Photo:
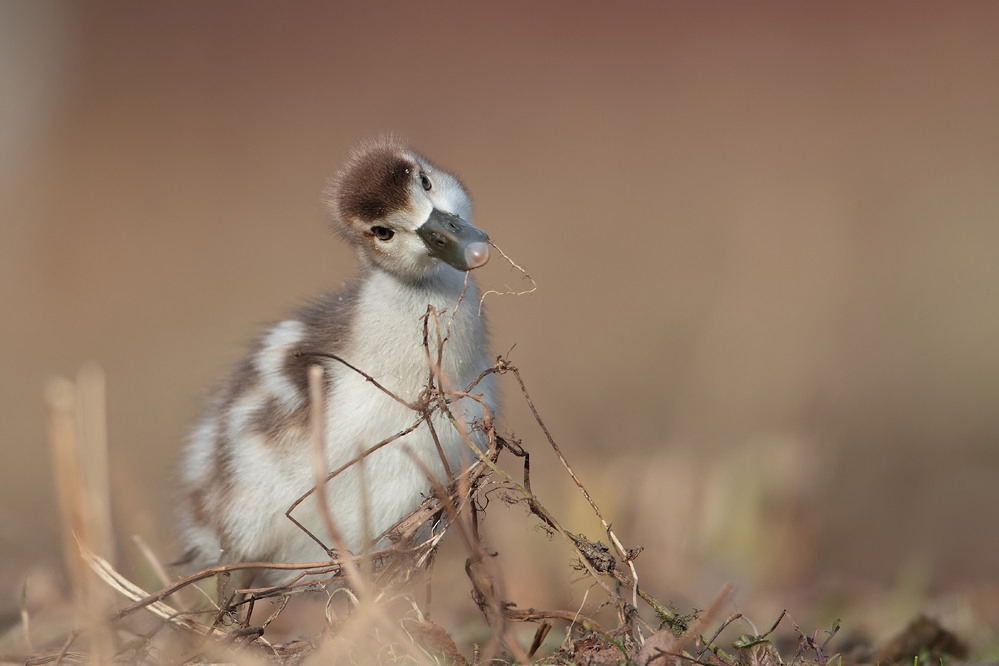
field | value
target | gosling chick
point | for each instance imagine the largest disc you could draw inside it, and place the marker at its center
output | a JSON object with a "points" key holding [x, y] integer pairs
{"points": [[251, 455]]}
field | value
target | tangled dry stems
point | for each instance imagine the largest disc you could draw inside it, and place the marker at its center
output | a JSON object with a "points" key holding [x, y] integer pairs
{"points": [[224, 629]]}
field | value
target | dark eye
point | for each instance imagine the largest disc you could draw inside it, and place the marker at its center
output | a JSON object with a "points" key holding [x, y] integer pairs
{"points": [[425, 182], [382, 233]]}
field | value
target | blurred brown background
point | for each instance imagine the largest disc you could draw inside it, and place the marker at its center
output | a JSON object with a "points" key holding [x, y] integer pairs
{"points": [[765, 241]]}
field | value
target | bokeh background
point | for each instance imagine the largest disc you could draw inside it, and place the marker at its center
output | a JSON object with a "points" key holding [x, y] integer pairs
{"points": [[766, 329]]}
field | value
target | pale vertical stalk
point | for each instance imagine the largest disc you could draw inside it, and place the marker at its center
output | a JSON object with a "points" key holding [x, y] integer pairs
{"points": [[317, 427], [92, 424], [317, 423], [60, 394], [78, 435], [364, 562]]}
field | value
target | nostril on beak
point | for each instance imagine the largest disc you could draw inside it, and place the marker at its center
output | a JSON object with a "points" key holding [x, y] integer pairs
{"points": [[476, 254]]}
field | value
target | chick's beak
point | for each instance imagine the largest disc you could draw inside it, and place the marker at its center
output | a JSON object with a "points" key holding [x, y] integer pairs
{"points": [[454, 240]]}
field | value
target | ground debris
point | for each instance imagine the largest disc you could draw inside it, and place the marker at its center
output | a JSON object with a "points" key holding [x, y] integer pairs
{"points": [[594, 650], [436, 641], [596, 553], [762, 653], [923, 637]]}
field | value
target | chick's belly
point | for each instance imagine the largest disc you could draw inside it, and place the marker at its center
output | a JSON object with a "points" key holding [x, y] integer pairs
{"points": [[393, 482]]}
